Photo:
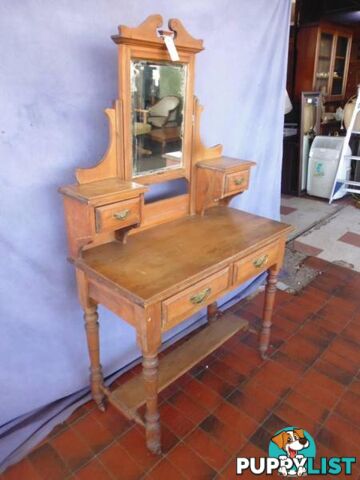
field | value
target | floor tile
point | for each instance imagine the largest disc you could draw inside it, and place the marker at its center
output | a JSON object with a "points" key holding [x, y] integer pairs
{"points": [[48, 463], [352, 333], [175, 420], [93, 471], [203, 395], [72, 449], [284, 210], [261, 439], [339, 445], [349, 407], [93, 433], [296, 418], [315, 411], [207, 448], [216, 383], [290, 363], [317, 394], [334, 372], [119, 463], [236, 419], [306, 249], [113, 421], [300, 349], [133, 442], [253, 408], [230, 438], [317, 378], [23, 470], [227, 373], [190, 464], [351, 238], [165, 471], [346, 349], [188, 407]]}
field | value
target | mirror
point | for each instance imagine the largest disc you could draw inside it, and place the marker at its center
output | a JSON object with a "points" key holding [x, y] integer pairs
{"points": [[158, 102]]}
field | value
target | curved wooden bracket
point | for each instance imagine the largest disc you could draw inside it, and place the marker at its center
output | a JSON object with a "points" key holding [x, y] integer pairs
{"points": [[200, 152], [109, 165]]}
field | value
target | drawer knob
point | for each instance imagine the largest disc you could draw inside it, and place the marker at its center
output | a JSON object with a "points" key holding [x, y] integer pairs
{"points": [[122, 215], [239, 181], [201, 296], [259, 262]]}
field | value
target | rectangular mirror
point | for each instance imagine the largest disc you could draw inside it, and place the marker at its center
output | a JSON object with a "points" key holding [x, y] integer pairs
{"points": [[158, 102]]}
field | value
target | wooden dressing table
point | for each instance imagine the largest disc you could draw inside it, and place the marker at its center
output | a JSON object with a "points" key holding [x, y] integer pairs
{"points": [[156, 263]]}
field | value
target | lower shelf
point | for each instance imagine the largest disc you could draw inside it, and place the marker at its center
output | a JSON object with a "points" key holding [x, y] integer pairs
{"points": [[131, 395]]}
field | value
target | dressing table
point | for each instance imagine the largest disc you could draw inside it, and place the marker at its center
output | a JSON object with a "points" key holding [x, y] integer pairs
{"points": [[155, 262]]}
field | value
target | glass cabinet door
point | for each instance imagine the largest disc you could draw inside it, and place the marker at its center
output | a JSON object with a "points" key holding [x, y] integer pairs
{"points": [[324, 62], [338, 74]]}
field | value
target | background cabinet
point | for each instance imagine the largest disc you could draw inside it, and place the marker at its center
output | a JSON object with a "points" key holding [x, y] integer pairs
{"points": [[323, 53]]}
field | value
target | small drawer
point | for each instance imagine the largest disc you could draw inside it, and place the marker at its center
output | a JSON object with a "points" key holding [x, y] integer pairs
{"points": [[117, 215], [178, 307], [256, 263], [236, 182]]}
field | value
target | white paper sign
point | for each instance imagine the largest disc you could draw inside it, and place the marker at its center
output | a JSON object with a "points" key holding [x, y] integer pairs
{"points": [[170, 45]]}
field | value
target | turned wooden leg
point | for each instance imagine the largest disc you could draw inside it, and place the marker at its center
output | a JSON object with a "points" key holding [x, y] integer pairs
{"points": [[152, 416], [92, 334], [270, 291], [212, 312]]}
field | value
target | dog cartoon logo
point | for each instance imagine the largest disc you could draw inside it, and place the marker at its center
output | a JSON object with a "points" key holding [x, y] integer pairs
{"points": [[292, 446]]}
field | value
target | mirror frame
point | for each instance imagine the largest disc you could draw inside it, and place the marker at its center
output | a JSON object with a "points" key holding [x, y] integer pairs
{"points": [[144, 43]]}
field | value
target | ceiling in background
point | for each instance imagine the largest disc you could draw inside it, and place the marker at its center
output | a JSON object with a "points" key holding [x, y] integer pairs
{"points": [[339, 11]]}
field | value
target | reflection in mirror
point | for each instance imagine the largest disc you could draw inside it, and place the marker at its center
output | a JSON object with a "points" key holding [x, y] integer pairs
{"points": [[157, 98]]}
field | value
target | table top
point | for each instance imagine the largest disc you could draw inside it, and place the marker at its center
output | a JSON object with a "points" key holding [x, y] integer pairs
{"points": [[156, 263]]}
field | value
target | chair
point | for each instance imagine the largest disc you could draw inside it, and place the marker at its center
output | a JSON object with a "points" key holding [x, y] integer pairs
{"points": [[164, 113]]}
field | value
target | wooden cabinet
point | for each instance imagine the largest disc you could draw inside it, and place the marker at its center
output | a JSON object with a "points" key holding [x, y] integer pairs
{"points": [[323, 53], [155, 263]]}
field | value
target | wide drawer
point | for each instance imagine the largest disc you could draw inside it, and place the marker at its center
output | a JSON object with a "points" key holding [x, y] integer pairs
{"points": [[256, 263], [117, 215], [236, 182], [182, 305]]}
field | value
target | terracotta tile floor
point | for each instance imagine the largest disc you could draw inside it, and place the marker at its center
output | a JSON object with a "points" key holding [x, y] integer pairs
{"points": [[232, 403]]}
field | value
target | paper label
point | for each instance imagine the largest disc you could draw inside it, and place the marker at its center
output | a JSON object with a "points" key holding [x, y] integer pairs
{"points": [[170, 45]]}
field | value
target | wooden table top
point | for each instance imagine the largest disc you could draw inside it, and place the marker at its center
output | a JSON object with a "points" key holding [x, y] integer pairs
{"points": [[156, 263]]}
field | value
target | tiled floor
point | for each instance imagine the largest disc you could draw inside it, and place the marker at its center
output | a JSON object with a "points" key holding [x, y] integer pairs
{"points": [[232, 403], [336, 235], [305, 212], [338, 240]]}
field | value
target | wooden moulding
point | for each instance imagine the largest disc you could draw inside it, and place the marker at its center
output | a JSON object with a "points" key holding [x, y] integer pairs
{"points": [[146, 34], [131, 395]]}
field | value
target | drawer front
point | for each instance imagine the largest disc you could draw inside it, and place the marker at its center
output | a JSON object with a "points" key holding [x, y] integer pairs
{"points": [[237, 182], [179, 307], [256, 263], [117, 215]]}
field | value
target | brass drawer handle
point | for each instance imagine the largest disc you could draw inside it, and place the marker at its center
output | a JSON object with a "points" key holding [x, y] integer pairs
{"points": [[201, 296], [239, 181], [259, 262], [121, 215]]}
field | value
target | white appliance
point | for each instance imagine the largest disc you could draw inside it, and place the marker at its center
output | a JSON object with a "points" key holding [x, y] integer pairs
{"points": [[324, 160]]}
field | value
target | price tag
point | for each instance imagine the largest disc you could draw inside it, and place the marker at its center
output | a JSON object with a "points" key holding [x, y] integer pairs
{"points": [[170, 45]]}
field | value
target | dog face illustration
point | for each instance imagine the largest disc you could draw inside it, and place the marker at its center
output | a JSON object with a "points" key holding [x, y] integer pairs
{"points": [[291, 441]]}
